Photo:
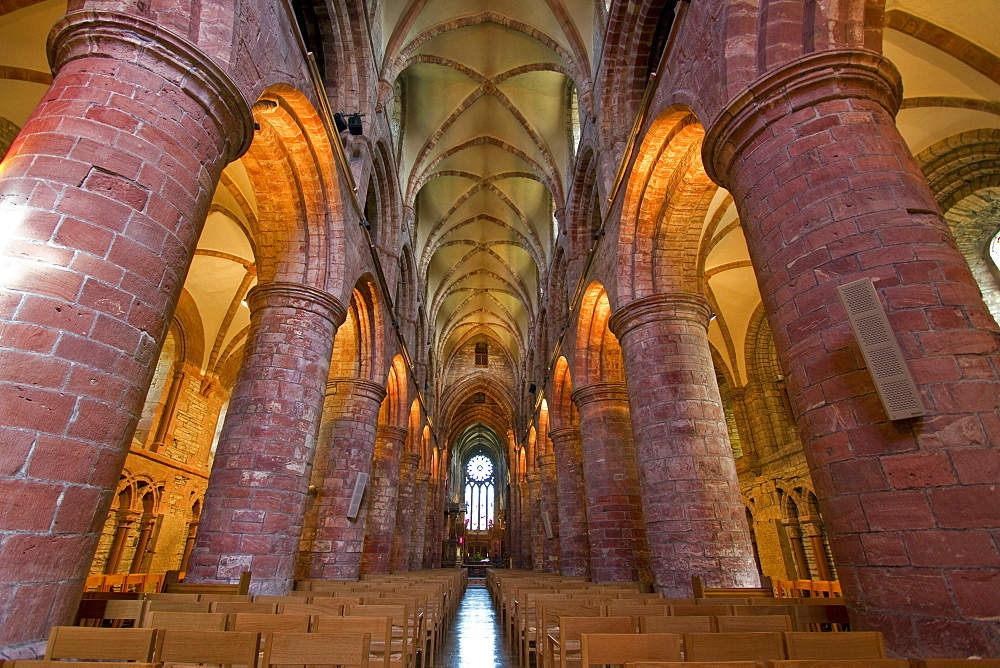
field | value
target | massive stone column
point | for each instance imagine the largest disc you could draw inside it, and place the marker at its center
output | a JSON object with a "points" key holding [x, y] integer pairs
{"points": [[256, 498], [346, 446], [536, 536], [405, 512], [421, 524], [526, 541], [618, 548], [102, 199], [549, 508], [695, 517], [382, 508], [828, 193], [573, 543]]}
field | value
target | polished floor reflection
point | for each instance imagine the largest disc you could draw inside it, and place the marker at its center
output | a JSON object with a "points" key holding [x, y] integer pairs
{"points": [[476, 640]]}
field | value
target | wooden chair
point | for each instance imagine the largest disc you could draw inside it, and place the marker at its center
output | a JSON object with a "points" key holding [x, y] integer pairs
{"points": [[225, 598], [310, 609], [256, 622], [98, 644], [549, 614], [571, 629], [295, 649], [854, 645], [677, 624], [157, 605], [232, 607], [696, 664], [44, 663], [701, 610], [726, 600], [164, 596], [636, 610], [744, 624], [844, 663], [214, 647], [733, 646], [956, 663], [379, 630], [172, 584], [617, 648], [401, 632], [280, 600], [187, 621]]}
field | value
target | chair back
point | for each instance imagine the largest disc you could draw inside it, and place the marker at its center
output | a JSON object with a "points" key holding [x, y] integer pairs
{"points": [[100, 644], [340, 649], [701, 610], [256, 622], [853, 645], [379, 630], [733, 646], [696, 664], [216, 647], [157, 605], [850, 663], [617, 648], [636, 610], [677, 624], [187, 621], [244, 606], [744, 624], [310, 609]]}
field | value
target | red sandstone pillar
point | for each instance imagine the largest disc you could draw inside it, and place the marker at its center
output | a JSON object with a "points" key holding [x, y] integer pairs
{"points": [[252, 517], [537, 536], [828, 193], [525, 541], [574, 547], [346, 447], [405, 512], [102, 200], [549, 508], [421, 521], [695, 517], [618, 551], [384, 486]]}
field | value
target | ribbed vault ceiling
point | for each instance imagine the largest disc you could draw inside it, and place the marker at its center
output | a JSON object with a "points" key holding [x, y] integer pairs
{"points": [[483, 95]]}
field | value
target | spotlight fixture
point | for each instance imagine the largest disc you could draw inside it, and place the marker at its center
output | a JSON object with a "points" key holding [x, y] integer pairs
{"points": [[350, 122]]}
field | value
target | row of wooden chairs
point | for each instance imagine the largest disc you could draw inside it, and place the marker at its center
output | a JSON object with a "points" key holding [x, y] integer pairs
{"points": [[68, 645], [807, 588], [124, 582], [828, 663], [618, 648]]}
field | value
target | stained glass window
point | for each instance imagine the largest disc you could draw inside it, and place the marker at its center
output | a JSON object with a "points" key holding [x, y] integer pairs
{"points": [[995, 250], [479, 492]]}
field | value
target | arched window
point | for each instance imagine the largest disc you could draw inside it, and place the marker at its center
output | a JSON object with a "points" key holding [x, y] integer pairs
{"points": [[480, 492], [482, 354], [995, 249]]}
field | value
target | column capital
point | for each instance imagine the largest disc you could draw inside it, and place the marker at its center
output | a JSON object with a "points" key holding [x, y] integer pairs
{"points": [[674, 306], [533, 477], [409, 460], [423, 476], [600, 392], [300, 297], [126, 37], [546, 460], [565, 434], [390, 433], [804, 82], [356, 387]]}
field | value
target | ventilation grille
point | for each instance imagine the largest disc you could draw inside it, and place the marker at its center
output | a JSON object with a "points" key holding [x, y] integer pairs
{"points": [[885, 361], [359, 491]]}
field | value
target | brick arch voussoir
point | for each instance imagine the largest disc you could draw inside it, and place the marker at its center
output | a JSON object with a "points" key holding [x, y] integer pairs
{"points": [[301, 211], [959, 165], [665, 150]]}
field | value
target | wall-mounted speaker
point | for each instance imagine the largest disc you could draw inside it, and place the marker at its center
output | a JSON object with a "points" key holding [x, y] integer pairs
{"points": [[359, 491], [547, 523], [880, 349]]}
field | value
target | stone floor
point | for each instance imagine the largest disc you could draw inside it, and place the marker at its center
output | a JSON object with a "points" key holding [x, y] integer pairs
{"points": [[475, 639]]}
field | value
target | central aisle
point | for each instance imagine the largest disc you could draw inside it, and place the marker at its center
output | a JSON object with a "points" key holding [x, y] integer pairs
{"points": [[476, 640]]}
